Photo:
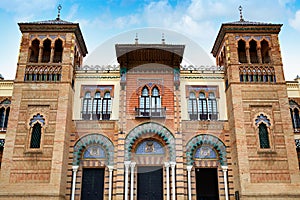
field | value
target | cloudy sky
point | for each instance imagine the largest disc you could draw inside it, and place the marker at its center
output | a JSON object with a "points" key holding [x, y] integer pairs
{"points": [[198, 20]]}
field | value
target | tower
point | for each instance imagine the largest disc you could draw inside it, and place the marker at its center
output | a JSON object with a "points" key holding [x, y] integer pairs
{"points": [[261, 135], [37, 141]]}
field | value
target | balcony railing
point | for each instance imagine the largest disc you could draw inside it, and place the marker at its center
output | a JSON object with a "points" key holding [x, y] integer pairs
{"points": [[150, 112], [95, 115], [203, 116]]}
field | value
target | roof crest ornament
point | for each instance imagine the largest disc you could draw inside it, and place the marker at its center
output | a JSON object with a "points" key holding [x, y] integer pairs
{"points": [[241, 14], [136, 38], [59, 7], [163, 41]]}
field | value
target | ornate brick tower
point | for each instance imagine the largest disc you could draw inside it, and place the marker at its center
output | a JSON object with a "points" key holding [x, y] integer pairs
{"points": [[263, 151], [37, 142]]}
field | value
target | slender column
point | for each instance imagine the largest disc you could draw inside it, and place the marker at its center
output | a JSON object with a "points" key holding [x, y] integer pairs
{"points": [[173, 164], [132, 165], [259, 55], [167, 166], [248, 55], [225, 168], [127, 164], [189, 168], [75, 168], [110, 168], [40, 54], [52, 54]]}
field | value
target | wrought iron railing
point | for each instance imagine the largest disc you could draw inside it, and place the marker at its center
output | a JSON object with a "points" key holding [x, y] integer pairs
{"points": [[150, 112], [95, 115], [204, 116]]}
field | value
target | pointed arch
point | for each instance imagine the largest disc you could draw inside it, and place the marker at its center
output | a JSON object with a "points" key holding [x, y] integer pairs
{"points": [[46, 51], [211, 140], [242, 51], [58, 51], [91, 139], [35, 49], [150, 127]]}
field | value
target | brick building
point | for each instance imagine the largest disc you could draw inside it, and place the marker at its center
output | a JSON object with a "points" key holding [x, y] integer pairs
{"points": [[149, 128]]}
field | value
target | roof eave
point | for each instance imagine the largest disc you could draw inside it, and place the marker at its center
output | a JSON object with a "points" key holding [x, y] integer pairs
{"points": [[276, 29]]}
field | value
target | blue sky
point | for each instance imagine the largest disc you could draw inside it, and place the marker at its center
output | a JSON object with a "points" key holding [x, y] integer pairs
{"points": [[198, 20]]}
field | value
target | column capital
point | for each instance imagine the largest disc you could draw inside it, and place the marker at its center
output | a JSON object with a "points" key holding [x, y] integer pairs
{"points": [[75, 168], [167, 164], [132, 164], [110, 168], [127, 164], [189, 168], [224, 168], [173, 164]]}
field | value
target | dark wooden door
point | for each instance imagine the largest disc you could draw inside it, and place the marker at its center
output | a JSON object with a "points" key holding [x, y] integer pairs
{"points": [[207, 184], [150, 183], [92, 184]]}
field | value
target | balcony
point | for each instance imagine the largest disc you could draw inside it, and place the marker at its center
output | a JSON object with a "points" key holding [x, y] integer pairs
{"points": [[95, 116], [203, 116], [150, 112]]}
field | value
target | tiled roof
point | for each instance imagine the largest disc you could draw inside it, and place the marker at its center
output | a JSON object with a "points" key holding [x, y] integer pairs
{"points": [[243, 22], [54, 21]]}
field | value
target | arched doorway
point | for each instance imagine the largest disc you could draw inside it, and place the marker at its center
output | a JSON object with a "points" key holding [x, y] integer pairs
{"points": [[150, 151], [93, 156], [206, 165]]}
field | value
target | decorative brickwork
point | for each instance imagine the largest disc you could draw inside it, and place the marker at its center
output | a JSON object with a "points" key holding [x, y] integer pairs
{"points": [[92, 139]]}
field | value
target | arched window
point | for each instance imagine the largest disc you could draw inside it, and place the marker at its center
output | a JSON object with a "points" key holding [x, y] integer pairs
{"points": [[144, 102], [97, 106], [202, 106], [212, 106], [263, 136], [296, 118], [155, 102], [253, 51], [265, 51], [36, 134], [294, 110], [106, 108], [192, 106], [36, 124], [262, 122], [46, 51], [242, 51], [87, 106], [2, 117], [58, 50], [6, 117], [35, 49]]}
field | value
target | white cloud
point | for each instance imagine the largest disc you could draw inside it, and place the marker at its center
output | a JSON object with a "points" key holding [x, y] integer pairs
{"points": [[24, 7], [72, 12], [295, 22]]}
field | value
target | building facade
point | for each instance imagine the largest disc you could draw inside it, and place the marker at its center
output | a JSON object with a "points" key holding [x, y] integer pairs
{"points": [[150, 128]]}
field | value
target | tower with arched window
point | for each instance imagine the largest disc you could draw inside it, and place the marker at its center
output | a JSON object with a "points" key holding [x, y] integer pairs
{"points": [[256, 94], [38, 133]]}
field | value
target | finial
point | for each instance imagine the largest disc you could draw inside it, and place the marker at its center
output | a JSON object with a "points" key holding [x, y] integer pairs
{"points": [[163, 38], [241, 13], [59, 7], [136, 39]]}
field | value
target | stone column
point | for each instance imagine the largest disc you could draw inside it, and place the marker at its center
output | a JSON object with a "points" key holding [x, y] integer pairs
{"points": [[75, 168], [189, 168], [52, 54], [127, 164], [40, 54], [132, 165], [248, 55], [259, 55], [225, 168], [167, 166], [173, 164], [110, 168]]}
